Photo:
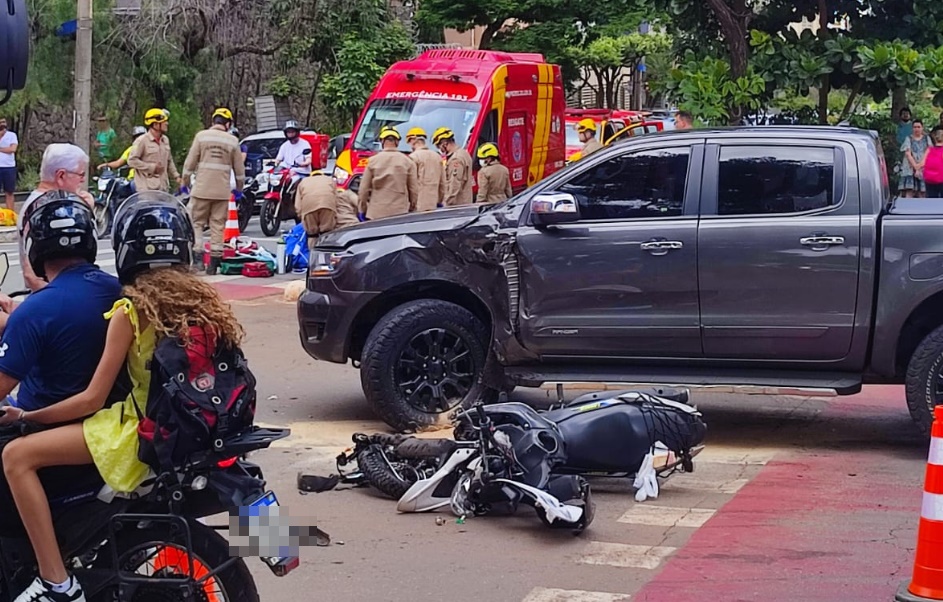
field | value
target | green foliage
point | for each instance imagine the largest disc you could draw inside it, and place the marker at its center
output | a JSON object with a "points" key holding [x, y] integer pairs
{"points": [[707, 89], [282, 86], [360, 65], [185, 121]]}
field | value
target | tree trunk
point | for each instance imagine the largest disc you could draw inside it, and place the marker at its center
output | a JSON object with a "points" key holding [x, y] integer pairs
{"points": [[487, 36], [734, 19], [852, 96], [898, 102]]}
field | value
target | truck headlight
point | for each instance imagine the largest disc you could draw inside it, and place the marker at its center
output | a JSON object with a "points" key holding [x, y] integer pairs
{"points": [[326, 263], [340, 176]]}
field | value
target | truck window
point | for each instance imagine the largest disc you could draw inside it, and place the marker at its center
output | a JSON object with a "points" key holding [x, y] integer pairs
{"points": [[787, 179], [635, 185]]}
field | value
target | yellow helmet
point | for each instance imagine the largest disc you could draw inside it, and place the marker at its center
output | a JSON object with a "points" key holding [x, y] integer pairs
{"points": [[224, 113], [441, 134], [487, 150], [586, 124], [389, 132], [155, 116], [416, 133]]}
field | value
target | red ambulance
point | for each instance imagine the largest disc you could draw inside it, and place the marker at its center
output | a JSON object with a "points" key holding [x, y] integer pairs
{"points": [[514, 100]]}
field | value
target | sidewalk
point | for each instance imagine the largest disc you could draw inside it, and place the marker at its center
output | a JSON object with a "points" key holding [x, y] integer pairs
{"points": [[240, 288], [833, 520]]}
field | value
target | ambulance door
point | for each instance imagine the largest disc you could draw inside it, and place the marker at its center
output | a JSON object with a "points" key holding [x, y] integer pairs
{"points": [[515, 148]]}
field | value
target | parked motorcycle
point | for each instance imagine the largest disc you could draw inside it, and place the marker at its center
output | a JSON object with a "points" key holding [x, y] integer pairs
{"points": [[253, 191], [509, 453], [279, 203], [113, 188]]}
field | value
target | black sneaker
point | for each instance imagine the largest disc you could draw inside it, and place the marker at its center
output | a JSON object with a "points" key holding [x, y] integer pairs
{"points": [[41, 591]]}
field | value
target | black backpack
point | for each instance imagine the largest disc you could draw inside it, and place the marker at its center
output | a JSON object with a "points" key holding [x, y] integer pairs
{"points": [[200, 395]]}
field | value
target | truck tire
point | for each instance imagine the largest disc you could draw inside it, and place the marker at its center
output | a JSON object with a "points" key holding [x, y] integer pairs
{"points": [[924, 382], [421, 361]]}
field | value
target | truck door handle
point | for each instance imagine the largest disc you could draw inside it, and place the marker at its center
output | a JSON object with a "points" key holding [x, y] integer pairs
{"points": [[822, 241], [662, 246]]}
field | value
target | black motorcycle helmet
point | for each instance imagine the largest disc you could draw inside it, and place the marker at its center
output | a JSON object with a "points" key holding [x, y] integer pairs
{"points": [[58, 225], [152, 230]]}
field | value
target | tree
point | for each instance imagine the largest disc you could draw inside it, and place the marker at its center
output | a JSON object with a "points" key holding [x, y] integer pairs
{"points": [[360, 65], [610, 58]]}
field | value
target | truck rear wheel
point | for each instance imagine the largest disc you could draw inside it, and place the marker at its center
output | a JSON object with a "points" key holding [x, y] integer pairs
{"points": [[925, 380], [421, 361]]}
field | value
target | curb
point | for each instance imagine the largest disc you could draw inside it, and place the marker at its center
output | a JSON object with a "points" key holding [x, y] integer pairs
{"points": [[8, 234]]}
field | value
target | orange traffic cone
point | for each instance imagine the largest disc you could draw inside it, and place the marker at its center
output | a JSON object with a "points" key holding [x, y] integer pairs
{"points": [[927, 583], [231, 230]]}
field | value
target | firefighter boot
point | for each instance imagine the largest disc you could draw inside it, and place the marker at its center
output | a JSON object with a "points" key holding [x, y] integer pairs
{"points": [[213, 266]]}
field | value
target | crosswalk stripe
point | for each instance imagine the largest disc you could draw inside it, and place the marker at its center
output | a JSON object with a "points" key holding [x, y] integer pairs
{"points": [[546, 594], [666, 516], [626, 556]]}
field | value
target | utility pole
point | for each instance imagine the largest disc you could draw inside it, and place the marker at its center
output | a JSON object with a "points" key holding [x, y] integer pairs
{"points": [[83, 74]]}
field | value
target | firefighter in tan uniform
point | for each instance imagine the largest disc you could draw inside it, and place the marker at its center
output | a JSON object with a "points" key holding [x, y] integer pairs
{"points": [[214, 156], [586, 129], [316, 203], [150, 156], [347, 208], [431, 172], [390, 184], [494, 179], [458, 169]]}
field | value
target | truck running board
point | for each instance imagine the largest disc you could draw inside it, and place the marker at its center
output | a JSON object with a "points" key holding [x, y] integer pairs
{"points": [[840, 382]]}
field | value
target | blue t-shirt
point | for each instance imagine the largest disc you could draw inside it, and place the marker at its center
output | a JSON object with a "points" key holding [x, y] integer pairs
{"points": [[54, 340]]}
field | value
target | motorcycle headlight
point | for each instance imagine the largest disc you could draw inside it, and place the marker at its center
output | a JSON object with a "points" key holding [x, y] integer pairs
{"points": [[274, 179], [102, 185], [340, 176], [326, 263]]}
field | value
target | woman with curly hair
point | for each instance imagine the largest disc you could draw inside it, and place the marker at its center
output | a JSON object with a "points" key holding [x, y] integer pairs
{"points": [[152, 240]]}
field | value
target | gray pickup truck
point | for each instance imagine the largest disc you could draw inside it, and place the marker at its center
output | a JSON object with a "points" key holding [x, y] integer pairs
{"points": [[756, 256]]}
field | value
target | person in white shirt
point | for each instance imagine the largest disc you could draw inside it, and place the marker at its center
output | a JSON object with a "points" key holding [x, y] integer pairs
{"points": [[292, 152], [8, 144], [64, 167]]}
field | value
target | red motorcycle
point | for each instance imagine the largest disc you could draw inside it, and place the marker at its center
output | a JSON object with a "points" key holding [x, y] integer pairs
{"points": [[279, 201]]}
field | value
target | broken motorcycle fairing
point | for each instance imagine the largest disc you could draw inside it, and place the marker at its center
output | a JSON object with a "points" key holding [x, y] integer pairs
{"points": [[504, 449]]}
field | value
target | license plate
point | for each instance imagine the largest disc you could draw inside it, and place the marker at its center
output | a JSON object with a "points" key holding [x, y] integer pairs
{"points": [[266, 501]]}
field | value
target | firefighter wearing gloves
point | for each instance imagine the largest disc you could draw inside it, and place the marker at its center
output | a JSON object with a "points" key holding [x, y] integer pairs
{"points": [[458, 169], [390, 184], [213, 157], [586, 129], [316, 203], [494, 179], [430, 170]]}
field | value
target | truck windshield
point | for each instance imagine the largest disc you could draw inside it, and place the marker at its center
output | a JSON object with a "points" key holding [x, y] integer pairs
{"points": [[405, 114]]}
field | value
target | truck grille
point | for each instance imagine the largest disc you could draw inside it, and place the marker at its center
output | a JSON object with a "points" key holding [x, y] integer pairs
{"points": [[512, 273]]}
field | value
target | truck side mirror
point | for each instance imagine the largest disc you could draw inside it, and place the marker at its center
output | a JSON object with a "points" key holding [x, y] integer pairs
{"points": [[552, 208]]}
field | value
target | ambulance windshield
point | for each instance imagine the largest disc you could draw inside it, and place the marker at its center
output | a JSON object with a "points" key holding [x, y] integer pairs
{"points": [[405, 114]]}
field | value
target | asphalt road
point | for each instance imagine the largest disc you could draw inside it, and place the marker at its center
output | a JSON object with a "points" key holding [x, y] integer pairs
{"points": [[826, 490]]}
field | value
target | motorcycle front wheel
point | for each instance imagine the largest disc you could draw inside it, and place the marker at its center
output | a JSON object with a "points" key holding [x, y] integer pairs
{"points": [[102, 220], [269, 219], [245, 211], [145, 554]]}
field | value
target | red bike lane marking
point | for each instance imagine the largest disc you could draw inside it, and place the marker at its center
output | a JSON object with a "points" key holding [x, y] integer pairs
{"points": [[834, 521]]}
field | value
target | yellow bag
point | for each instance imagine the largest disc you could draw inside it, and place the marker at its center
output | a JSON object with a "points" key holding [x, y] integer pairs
{"points": [[7, 217]]}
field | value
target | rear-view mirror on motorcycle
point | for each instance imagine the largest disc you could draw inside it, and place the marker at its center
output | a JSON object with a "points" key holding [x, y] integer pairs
{"points": [[14, 47], [4, 267]]}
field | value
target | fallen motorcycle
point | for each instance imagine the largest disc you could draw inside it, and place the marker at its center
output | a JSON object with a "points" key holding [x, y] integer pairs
{"points": [[509, 453]]}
